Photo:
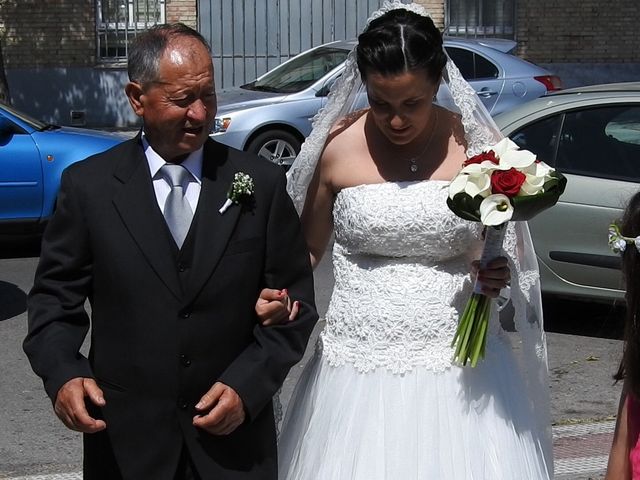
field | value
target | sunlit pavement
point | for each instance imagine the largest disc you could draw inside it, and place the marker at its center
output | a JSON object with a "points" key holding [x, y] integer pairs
{"points": [[580, 453]]}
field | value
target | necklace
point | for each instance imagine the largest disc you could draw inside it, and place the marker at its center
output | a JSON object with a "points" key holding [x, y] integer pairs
{"points": [[413, 161]]}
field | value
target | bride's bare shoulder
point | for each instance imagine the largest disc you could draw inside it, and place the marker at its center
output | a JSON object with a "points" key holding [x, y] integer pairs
{"points": [[347, 132]]}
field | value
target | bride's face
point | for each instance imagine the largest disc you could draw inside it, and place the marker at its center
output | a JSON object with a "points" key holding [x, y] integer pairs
{"points": [[401, 105]]}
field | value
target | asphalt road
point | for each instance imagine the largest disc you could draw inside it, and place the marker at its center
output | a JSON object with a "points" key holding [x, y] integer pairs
{"points": [[583, 344]]}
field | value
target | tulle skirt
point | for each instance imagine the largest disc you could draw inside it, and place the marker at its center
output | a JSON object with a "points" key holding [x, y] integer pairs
{"points": [[459, 424]]}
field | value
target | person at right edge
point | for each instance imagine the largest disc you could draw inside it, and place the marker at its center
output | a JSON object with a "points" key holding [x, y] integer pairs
{"points": [[624, 458]]}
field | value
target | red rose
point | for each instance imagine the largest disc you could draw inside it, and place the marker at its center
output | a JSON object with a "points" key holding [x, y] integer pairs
{"points": [[507, 182], [489, 156]]}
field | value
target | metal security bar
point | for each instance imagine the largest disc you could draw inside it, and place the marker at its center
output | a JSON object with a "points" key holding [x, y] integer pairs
{"points": [[120, 20], [249, 37], [480, 18]]}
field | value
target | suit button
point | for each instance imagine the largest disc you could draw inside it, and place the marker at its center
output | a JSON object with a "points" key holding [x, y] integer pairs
{"points": [[185, 314], [182, 267], [185, 360]]}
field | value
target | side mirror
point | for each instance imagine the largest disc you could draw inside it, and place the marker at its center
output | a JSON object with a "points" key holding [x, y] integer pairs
{"points": [[7, 129], [326, 88]]}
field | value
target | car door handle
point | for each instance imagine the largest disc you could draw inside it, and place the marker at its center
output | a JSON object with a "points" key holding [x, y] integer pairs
{"points": [[486, 93], [602, 261]]}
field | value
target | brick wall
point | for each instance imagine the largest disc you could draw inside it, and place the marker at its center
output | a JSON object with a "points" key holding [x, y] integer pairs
{"points": [[184, 11], [61, 33], [36, 33], [435, 9], [578, 31]]}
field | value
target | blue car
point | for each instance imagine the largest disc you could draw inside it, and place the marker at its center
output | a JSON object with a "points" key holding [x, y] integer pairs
{"points": [[271, 116], [32, 157]]}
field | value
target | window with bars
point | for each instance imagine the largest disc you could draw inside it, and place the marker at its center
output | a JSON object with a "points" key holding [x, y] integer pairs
{"points": [[480, 18], [120, 20]]}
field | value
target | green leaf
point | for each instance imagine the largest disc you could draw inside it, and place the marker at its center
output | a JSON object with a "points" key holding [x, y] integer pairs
{"points": [[527, 207], [465, 206]]}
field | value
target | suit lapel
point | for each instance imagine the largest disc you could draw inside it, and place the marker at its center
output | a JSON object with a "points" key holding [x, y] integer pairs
{"points": [[212, 230], [136, 203]]}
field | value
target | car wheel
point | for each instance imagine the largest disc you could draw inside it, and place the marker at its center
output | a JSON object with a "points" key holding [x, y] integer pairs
{"points": [[277, 146]]}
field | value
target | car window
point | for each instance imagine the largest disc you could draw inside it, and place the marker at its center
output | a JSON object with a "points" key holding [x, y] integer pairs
{"points": [[463, 60], [471, 65], [484, 68], [540, 138], [602, 142], [301, 72]]}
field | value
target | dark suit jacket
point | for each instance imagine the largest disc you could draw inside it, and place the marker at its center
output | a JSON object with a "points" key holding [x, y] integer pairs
{"points": [[167, 324]]}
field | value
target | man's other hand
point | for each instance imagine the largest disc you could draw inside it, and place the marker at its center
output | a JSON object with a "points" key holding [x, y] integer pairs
{"points": [[221, 410], [70, 405]]}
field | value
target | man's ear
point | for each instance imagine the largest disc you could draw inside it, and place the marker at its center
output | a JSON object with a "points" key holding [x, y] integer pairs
{"points": [[134, 94]]}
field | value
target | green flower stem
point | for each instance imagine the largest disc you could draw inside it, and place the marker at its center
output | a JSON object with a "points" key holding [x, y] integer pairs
{"points": [[461, 338], [470, 339]]}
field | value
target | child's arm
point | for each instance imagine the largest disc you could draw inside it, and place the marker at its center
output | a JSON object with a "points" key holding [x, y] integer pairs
{"points": [[619, 467]]}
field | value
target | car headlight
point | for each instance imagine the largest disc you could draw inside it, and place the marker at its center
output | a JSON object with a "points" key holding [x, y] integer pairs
{"points": [[221, 124]]}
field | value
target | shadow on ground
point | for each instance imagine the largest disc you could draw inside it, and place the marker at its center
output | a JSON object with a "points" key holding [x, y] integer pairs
{"points": [[19, 246], [589, 319], [13, 301]]}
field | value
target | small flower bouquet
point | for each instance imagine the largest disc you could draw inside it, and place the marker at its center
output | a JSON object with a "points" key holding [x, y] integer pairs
{"points": [[500, 184], [240, 189]]}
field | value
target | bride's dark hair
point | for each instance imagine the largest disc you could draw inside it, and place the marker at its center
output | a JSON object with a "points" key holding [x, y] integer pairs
{"points": [[400, 41], [630, 365]]}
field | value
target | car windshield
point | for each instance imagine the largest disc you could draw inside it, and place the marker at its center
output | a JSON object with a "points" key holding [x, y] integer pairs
{"points": [[36, 124], [301, 72]]}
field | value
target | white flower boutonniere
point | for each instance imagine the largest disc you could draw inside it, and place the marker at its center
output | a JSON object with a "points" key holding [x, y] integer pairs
{"points": [[241, 188]]}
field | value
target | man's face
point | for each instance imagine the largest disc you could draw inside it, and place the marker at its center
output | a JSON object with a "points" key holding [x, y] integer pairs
{"points": [[179, 108]]}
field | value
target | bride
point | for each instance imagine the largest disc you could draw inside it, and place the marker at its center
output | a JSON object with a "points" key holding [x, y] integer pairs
{"points": [[381, 398]]}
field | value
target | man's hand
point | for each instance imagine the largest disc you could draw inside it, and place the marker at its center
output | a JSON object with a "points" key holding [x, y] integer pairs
{"points": [[275, 307], [222, 410], [70, 405]]}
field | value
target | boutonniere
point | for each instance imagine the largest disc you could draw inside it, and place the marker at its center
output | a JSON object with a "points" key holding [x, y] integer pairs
{"points": [[241, 189]]}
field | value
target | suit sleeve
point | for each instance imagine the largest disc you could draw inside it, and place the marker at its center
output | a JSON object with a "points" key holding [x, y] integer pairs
{"points": [[262, 368], [58, 321]]}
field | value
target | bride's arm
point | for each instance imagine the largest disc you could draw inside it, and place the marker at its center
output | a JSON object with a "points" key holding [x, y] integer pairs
{"points": [[274, 306], [317, 215]]}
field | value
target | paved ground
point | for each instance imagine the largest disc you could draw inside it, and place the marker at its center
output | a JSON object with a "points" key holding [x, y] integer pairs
{"points": [[580, 453], [582, 346]]}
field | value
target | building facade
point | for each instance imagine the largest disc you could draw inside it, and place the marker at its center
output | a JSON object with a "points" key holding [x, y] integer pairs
{"points": [[66, 59]]}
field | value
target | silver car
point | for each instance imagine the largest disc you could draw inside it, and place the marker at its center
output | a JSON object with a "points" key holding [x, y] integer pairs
{"points": [[272, 115], [592, 135]]}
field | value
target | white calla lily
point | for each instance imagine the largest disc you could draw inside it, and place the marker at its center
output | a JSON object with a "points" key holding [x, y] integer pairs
{"points": [[503, 146], [477, 168], [472, 185], [540, 169], [518, 159], [532, 185], [495, 210]]}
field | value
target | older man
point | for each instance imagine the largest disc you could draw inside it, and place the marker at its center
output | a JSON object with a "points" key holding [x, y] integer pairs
{"points": [[179, 379]]}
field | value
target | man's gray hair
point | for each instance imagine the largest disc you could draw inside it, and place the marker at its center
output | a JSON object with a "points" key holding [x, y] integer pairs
{"points": [[147, 48]]}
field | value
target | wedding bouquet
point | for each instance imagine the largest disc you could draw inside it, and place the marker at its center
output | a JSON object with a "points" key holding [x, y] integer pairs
{"points": [[500, 184]]}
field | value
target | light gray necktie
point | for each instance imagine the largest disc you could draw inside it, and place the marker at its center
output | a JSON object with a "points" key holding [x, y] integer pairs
{"points": [[177, 211]]}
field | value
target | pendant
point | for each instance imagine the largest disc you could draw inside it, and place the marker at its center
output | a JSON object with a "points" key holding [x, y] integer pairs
{"points": [[413, 167]]}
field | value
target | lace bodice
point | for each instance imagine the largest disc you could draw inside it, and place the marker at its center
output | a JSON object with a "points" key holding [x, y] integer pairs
{"points": [[401, 265]]}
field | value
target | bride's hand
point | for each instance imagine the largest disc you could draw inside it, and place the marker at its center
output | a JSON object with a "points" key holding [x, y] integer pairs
{"points": [[275, 307], [494, 277]]}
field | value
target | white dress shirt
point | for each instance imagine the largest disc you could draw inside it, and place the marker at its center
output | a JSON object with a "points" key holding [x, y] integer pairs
{"points": [[193, 163]]}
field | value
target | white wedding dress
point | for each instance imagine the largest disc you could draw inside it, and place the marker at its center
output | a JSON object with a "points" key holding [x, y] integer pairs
{"points": [[381, 399]]}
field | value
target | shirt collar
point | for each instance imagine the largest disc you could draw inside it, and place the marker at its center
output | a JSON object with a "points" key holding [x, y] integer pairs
{"points": [[193, 162]]}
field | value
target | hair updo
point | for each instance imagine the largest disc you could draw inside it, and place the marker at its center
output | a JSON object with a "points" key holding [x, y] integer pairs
{"points": [[400, 41]]}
